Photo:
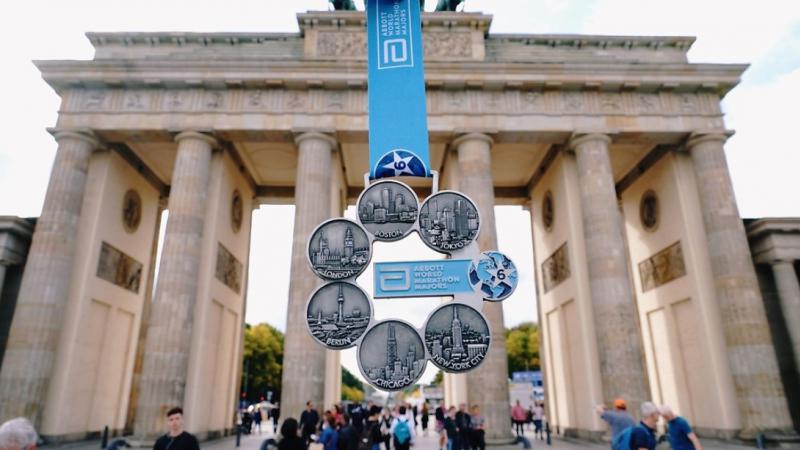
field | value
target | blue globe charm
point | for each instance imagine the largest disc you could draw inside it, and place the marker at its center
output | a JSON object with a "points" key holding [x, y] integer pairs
{"points": [[398, 163], [494, 275]]}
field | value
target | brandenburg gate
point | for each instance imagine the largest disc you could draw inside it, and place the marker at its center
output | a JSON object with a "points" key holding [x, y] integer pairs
{"points": [[646, 288]]}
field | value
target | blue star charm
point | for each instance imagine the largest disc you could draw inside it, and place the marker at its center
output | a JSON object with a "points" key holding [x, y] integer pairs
{"points": [[400, 162], [494, 275]]}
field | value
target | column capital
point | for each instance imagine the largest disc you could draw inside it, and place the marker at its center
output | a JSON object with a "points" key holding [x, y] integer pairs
{"points": [[211, 140], [306, 135], [578, 138], [83, 134], [698, 137], [473, 136]]}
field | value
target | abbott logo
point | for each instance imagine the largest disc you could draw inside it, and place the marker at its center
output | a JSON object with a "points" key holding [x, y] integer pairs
{"points": [[395, 54], [395, 51], [393, 280]]}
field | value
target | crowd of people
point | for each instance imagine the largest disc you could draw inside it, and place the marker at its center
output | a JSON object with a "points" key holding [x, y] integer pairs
{"points": [[533, 416], [370, 427]]}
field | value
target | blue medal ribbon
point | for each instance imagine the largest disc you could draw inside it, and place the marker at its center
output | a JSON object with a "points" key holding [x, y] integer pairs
{"points": [[398, 116]]}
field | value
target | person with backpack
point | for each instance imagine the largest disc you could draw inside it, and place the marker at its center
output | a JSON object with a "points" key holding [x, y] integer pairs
{"points": [[679, 433], [618, 419], [402, 430], [641, 436]]}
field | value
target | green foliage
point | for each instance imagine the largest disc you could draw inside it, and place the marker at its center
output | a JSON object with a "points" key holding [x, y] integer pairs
{"points": [[348, 379], [263, 361], [522, 347], [352, 387], [438, 379]]}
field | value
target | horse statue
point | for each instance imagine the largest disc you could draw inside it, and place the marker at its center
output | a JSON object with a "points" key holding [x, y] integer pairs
{"points": [[448, 5], [343, 5]]}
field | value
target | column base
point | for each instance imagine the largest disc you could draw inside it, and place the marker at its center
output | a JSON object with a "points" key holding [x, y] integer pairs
{"points": [[498, 441], [585, 435]]}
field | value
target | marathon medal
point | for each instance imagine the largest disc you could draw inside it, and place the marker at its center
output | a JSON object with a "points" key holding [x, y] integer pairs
{"points": [[337, 314]]}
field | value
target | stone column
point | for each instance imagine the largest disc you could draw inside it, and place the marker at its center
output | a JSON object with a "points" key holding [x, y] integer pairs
{"points": [[615, 314], [754, 365], [36, 329], [303, 358], [169, 334], [487, 386], [789, 295]]}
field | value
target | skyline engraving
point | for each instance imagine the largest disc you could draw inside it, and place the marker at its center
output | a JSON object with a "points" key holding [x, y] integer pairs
{"points": [[388, 210], [339, 249], [338, 314], [457, 338], [448, 221], [392, 355]]}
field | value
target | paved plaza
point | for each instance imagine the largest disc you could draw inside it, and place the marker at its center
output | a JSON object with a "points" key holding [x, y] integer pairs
{"points": [[254, 441]]}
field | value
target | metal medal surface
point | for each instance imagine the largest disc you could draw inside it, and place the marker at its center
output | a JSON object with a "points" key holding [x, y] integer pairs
{"points": [[337, 314], [388, 210], [392, 356], [448, 221], [338, 249], [494, 275], [457, 337]]}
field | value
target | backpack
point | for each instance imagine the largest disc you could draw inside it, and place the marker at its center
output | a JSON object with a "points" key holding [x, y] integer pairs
{"points": [[622, 441], [401, 431]]}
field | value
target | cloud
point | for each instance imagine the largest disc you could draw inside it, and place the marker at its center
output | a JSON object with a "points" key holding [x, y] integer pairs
{"points": [[764, 155]]}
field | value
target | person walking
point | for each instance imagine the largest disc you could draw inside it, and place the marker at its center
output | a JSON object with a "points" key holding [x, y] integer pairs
{"points": [[402, 430], [478, 429], [290, 440], [308, 422], [518, 416], [538, 416], [424, 419], [450, 429], [679, 433], [386, 426], [643, 436], [618, 419], [463, 423], [257, 419], [348, 435], [18, 434], [176, 438], [439, 415], [275, 414], [329, 437], [374, 428]]}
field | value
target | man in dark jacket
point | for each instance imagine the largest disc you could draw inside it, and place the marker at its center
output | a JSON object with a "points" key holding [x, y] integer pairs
{"points": [[464, 424], [176, 438], [308, 421], [348, 436]]}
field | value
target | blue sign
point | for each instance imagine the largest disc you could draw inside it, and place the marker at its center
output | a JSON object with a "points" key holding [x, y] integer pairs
{"points": [[422, 278], [398, 117]]}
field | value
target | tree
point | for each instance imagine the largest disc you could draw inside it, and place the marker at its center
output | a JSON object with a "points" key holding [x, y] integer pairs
{"points": [[522, 347], [438, 379], [263, 361], [352, 387]]}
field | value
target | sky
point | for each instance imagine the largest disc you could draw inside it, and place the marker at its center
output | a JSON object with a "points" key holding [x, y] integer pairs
{"points": [[763, 155]]}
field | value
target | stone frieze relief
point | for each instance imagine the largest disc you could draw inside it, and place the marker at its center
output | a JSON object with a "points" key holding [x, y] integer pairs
{"points": [[352, 101]]}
